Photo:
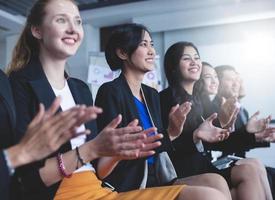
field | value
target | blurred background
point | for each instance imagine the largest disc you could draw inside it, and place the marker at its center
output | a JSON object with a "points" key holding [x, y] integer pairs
{"points": [[240, 33]]}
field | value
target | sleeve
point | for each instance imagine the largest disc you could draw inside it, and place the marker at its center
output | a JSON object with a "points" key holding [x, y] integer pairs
{"points": [[4, 177], [107, 98], [26, 107]]}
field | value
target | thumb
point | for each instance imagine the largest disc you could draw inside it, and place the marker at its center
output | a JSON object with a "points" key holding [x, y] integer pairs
{"points": [[223, 101], [212, 117], [255, 114], [115, 122], [173, 109]]}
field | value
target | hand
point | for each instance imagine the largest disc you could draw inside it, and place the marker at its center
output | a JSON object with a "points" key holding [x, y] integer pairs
{"points": [[228, 112], [268, 135], [44, 135], [209, 133], [177, 117], [255, 125], [125, 143]]}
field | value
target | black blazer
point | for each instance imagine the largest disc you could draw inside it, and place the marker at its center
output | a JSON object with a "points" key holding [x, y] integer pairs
{"points": [[4, 178], [115, 98], [186, 158], [7, 114], [7, 125], [31, 87]]}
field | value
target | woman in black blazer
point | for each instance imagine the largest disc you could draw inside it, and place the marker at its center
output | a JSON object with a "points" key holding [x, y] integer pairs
{"points": [[130, 48], [41, 138], [183, 68]]}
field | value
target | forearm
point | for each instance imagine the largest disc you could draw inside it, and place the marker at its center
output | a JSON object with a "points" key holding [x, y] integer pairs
{"points": [[50, 173], [105, 166]]}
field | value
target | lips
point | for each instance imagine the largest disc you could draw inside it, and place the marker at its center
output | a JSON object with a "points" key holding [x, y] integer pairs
{"points": [[150, 60], [194, 69], [69, 40]]}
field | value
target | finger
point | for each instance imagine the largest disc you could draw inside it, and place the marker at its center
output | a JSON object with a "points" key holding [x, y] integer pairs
{"points": [[144, 154], [173, 109], [88, 114], [212, 117], [151, 146], [133, 145], [152, 138], [54, 107], [126, 130], [133, 123], [115, 122], [39, 116], [132, 137], [149, 131], [86, 132]]}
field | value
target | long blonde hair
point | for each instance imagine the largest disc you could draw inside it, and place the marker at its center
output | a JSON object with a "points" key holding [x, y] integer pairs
{"points": [[27, 45]]}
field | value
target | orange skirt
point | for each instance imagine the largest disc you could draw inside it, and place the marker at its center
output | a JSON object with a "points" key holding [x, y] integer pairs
{"points": [[86, 186]]}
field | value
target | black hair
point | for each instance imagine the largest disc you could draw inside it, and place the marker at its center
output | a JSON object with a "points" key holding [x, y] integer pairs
{"points": [[126, 37], [172, 60]]}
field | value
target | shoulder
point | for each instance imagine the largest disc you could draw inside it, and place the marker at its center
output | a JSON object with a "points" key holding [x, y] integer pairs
{"points": [[3, 77], [166, 93], [79, 82], [149, 89], [111, 87]]}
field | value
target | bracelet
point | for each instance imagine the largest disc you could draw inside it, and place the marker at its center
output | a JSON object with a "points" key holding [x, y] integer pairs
{"points": [[61, 166], [79, 157]]}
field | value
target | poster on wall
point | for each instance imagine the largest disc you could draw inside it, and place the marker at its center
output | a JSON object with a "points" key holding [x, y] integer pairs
{"points": [[99, 73]]}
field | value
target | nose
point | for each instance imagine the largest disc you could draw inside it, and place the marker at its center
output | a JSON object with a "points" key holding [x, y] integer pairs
{"points": [[152, 50], [71, 29]]}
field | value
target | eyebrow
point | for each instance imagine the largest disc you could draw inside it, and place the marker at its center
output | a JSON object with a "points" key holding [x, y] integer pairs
{"points": [[189, 54], [147, 41], [65, 15]]}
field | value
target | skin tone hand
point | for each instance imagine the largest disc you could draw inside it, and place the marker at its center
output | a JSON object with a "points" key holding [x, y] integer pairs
{"points": [[268, 135], [255, 125], [209, 133], [228, 113], [125, 143], [46, 133], [136, 145], [177, 117]]}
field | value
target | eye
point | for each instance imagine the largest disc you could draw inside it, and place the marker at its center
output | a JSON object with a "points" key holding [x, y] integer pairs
{"points": [[78, 21], [197, 58], [186, 58], [143, 44], [61, 20]]}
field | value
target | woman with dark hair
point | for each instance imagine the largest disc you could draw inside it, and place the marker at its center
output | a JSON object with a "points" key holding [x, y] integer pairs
{"points": [[53, 32], [183, 69], [130, 49]]}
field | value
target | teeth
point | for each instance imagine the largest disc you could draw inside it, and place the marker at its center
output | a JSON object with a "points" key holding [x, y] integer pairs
{"points": [[69, 41], [194, 70]]}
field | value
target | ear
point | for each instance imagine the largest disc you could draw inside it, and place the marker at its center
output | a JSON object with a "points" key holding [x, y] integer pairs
{"points": [[121, 54], [36, 32]]}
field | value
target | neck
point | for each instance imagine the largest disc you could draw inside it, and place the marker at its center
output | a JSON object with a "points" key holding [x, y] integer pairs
{"points": [[54, 70], [134, 81], [188, 86]]}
